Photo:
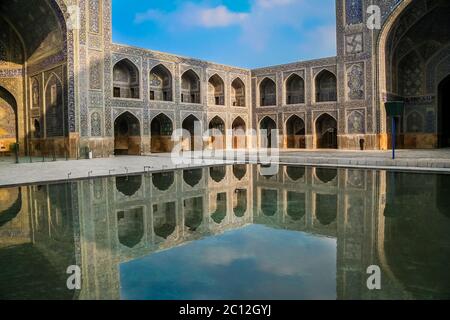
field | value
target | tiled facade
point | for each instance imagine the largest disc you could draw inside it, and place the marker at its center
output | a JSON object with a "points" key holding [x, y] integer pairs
{"points": [[367, 71]]}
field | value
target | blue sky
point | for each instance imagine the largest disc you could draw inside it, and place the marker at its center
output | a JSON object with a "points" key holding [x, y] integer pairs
{"points": [[255, 262], [244, 33]]}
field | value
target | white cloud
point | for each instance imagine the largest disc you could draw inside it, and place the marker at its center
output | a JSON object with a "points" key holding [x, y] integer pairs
{"points": [[261, 28], [193, 15]]}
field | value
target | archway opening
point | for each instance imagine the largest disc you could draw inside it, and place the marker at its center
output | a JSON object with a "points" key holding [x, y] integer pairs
{"points": [[413, 58], [127, 135], [161, 134], [326, 132], [295, 89], [126, 80], [444, 113], [217, 138], [295, 133], [326, 175], [326, 87], [190, 87], [268, 92], [8, 121], [191, 141], [239, 133], [238, 93], [33, 48], [216, 91], [268, 129], [160, 84]]}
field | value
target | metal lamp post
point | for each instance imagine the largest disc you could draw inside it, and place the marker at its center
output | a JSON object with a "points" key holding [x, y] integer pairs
{"points": [[394, 109]]}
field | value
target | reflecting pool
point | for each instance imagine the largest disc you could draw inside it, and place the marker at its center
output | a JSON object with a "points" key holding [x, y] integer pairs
{"points": [[228, 232]]}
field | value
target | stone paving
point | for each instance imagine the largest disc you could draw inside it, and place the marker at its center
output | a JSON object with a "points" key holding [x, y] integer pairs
{"points": [[415, 160]]}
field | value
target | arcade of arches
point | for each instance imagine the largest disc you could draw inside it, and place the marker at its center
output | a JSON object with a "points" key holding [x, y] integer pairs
{"points": [[60, 94]]}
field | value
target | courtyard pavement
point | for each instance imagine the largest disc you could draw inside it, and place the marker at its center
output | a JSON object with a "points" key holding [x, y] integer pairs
{"points": [[407, 160]]}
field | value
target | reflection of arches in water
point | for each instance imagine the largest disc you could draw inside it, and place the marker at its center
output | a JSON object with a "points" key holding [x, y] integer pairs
{"points": [[221, 208], [296, 205], [443, 192], [9, 206], [295, 173], [60, 211], [217, 173], [128, 185], [34, 269], [130, 226], [415, 236], [164, 219], [192, 177], [193, 213], [326, 175], [326, 208], [269, 202], [239, 171], [163, 180], [240, 202]]}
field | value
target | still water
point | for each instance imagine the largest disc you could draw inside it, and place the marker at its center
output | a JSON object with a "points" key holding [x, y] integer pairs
{"points": [[229, 232]]}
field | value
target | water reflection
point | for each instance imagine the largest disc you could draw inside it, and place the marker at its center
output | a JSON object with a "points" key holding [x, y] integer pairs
{"points": [[119, 230]]}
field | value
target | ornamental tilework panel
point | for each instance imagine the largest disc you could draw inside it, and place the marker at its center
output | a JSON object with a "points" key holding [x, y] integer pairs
{"points": [[95, 70], [356, 122], [7, 120], [354, 43], [96, 125], [355, 81], [354, 11], [94, 16]]}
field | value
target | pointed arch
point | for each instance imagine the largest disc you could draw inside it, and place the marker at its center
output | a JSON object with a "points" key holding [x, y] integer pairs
{"points": [[295, 89], [295, 132], [161, 129], [216, 91], [326, 86], [161, 83], [192, 142], [238, 95], [326, 132], [54, 107], [267, 126], [190, 87], [9, 128], [217, 133], [127, 134], [126, 80], [239, 129], [267, 92]]}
